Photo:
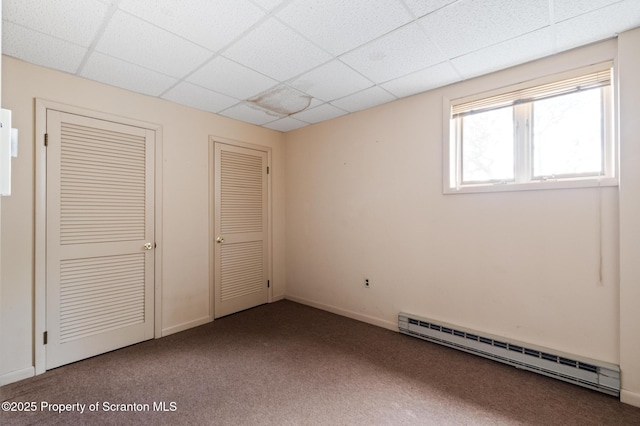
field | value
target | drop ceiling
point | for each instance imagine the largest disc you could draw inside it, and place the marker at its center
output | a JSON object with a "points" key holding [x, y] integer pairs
{"points": [[285, 64]]}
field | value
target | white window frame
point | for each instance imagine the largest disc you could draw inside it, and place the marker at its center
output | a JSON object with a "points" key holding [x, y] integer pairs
{"points": [[452, 158]]}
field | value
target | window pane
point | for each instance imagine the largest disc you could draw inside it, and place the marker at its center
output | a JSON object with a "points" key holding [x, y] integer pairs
{"points": [[487, 146], [567, 134]]}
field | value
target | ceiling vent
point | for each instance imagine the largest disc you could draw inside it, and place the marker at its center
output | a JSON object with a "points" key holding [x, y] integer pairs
{"points": [[282, 101]]}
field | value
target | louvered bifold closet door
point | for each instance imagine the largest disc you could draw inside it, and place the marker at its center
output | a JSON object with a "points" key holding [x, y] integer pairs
{"points": [[241, 229], [99, 218]]}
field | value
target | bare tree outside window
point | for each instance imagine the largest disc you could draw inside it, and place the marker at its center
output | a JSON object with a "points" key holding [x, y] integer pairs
{"points": [[487, 149], [567, 134], [541, 134]]}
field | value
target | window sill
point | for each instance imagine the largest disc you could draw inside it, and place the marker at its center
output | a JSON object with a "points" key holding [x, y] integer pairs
{"points": [[533, 186]]}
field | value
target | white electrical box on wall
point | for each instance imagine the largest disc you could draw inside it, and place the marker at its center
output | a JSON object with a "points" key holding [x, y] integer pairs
{"points": [[5, 152]]}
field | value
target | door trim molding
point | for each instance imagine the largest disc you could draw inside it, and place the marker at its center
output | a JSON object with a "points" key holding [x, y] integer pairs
{"points": [[40, 315], [212, 141]]}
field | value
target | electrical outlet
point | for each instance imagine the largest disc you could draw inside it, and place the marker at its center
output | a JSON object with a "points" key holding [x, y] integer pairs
{"points": [[366, 282]]}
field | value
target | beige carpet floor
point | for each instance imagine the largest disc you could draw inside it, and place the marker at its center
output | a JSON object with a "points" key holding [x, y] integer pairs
{"points": [[289, 364]]}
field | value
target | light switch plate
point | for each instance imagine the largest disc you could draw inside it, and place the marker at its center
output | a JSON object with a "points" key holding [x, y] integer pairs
{"points": [[14, 142], [5, 152]]}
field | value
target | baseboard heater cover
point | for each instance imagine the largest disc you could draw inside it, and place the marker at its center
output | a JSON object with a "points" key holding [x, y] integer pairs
{"points": [[592, 374]]}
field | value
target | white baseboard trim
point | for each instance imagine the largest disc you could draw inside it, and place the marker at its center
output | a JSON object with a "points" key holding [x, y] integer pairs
{"points": [[16, 376], [185, 326], [346, 313], [631, 398], [277, 298]]}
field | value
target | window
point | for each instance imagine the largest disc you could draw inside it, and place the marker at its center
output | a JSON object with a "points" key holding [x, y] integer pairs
{"points": [[551, 133]]}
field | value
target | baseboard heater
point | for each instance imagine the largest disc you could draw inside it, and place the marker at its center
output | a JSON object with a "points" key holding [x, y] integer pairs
{"points": [[597, 375]]}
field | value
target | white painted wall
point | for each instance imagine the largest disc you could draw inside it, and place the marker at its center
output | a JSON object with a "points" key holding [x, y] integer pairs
{"points": [[185, 270], [1, 363], [364, 198], [629, 69]]}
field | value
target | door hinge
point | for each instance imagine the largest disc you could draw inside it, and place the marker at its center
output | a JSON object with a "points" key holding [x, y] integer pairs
{"points": [[46, 139], [267, 169], [268, 284], [45, 337]]}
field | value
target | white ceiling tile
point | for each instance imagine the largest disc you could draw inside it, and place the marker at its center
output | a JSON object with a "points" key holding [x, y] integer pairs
{"points": [[230, 78], [285, 58], [76, 21], [286, 124], [367, 98], [251, 113], [141, 43], [423, 80], [401, 52], [506, 54], [469, 25], [422, 7], [198, 97], [320, 113], [598, 25], [268, 5], [331, 81], [277, 51], [212, 24], [338, 26], [315, 102], [37, 48], [565, 9], [122, 74]]}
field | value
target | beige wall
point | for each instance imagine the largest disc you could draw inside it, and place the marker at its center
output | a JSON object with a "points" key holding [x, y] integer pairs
{"points": [[629, 73], [1, 361], [364, 199], [185, 262]]}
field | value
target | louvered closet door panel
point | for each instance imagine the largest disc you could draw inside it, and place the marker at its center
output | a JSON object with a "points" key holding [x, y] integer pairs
{"points": [[102, 191], [241, 181], [98, 294], [242, 273], [99, 217], [241, 225]]}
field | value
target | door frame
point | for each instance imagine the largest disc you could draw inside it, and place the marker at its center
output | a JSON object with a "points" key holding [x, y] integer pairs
{"points": [[40, 301], [212, 201]]}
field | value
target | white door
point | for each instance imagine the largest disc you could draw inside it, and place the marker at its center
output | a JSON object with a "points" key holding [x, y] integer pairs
{"points": [[100, 237], [240, 250]]}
